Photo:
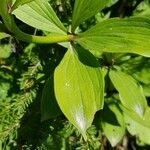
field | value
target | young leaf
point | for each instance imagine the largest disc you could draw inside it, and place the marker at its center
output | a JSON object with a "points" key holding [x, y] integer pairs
{"points": [[39, 14], [137, 128], [112, 123], [49, 106], [84, 9], [130, 92], [79, 87], [118, 35]]}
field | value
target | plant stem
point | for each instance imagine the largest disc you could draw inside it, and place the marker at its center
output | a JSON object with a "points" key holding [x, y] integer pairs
{"points": [[39, 39], [3, 28], [36, 39]]}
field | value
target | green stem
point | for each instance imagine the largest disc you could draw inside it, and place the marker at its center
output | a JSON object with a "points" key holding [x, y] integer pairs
{"points": [[39, 39], [3, 28]]}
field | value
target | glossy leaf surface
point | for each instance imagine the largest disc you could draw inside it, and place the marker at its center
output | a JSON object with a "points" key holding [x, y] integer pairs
{"points": [[79, 87], [130, 92], [113, 123], [138, 128], [119, 36], [49, 106], [84, 9], [39, 14]]}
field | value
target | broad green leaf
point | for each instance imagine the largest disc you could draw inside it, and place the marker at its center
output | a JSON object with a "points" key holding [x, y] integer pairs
{"points": [[49, 106], [135, 116], [79, 87], [137, 128], [130, 92], [119, 36], [39, 14], [112, 123], [84, 9]]}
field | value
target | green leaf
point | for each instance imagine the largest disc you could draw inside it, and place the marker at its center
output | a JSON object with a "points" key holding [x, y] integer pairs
{"points": [[146, 89], [143, 74], [20, 2], [135, 116], [143, 9], [118, 35], [5, 51], [49, 106], [3, 35], [84, 9], [137, 128], [112, 123], [79, 87], [130, 92], [39, 14]]}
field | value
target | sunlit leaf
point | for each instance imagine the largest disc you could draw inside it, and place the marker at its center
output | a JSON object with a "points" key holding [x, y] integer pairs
{"points": [[39, 14], [113, 124], [135, 116], [137, 128], [119, 36], [84, 9], [130, 92], [143, 9], [79, 87]]}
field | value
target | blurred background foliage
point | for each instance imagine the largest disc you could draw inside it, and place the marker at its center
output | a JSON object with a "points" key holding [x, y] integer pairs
{"points": [[24, 69]]}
